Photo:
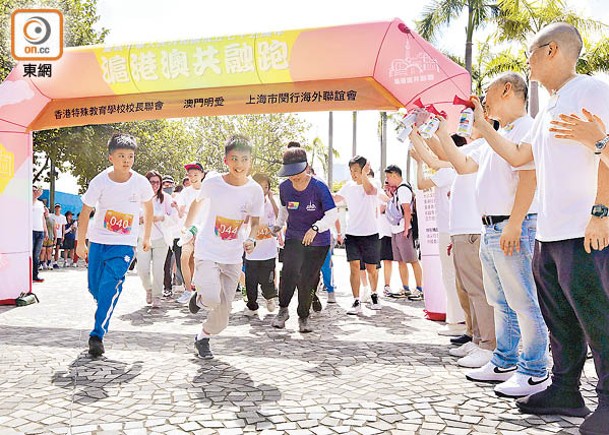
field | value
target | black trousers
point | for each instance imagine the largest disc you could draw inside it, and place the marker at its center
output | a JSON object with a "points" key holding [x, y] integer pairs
{"points": [[175, 251], [259, 272], [573, 289], [301, 267]]}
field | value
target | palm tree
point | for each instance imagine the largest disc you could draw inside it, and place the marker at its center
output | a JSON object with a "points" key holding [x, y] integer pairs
{"points": [[441, 12], [519, 20]]}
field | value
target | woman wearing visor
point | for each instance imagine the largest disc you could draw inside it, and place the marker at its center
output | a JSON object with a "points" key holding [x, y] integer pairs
{"points": [[309, 210]]}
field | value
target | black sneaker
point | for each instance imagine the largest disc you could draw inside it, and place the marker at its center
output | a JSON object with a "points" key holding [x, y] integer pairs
{"points": [[554, 400], [192, 304], [375, 305], [460, 340], [316, 303], [96, 346], [202, 348], [167, 293]]}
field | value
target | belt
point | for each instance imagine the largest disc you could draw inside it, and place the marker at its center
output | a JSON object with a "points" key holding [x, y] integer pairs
{"points": [[492, 220]]}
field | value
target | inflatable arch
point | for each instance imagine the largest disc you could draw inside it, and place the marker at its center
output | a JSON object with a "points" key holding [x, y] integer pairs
{"points": [[371, 66]]}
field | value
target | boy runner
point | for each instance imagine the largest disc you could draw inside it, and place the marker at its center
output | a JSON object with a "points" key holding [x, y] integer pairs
{"points": [[221, 240], [117, 194]]}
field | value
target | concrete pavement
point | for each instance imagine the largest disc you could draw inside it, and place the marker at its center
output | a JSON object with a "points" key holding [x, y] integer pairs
{"points": [[381, 372]]}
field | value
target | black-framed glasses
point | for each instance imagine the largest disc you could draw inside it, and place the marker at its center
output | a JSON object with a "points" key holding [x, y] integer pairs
{"points": [[528, 54]]}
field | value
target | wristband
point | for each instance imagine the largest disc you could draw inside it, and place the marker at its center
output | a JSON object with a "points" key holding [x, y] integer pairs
{"points": [[251, 240]]}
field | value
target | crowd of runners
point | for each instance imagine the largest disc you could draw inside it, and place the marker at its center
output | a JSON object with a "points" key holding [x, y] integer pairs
{"points": [[521, 215]]}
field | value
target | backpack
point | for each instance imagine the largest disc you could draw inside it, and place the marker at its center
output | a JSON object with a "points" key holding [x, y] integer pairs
{"points": [[395, 213]]}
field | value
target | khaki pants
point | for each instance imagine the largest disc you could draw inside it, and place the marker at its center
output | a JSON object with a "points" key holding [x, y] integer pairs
{"points": [[468, 268], [216, 284]]}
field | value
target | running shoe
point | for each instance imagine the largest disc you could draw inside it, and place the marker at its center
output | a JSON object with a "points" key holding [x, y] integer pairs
{"points": [[96, 346], [375, 305], [356, 308], [184, 298], [202, 349]]}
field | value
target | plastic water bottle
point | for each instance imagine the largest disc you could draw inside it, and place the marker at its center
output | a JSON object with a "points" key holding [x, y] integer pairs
{"points": [[429, 128], [407, 122], [466, 122], [188, 235]]}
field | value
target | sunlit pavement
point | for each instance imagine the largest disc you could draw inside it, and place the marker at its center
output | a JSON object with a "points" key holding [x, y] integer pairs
{"points": [[381, 372]]}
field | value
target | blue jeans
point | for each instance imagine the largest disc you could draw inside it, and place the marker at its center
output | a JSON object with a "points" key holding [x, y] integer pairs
{"points": [[511, 291], [37, 239], [108, 265]]}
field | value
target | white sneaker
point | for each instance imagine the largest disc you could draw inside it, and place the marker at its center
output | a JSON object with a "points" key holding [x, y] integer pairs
{"points": [[476, 359], [271, 305], [490, 373], [356, 308], [184, 298], [387, 291], [453, 330], [250, 313], [463, 350], [521, 385]]}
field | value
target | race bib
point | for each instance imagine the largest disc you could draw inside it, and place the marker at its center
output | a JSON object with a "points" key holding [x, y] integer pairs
{"points": [[117, 222], [264, 232], [227, 229]]}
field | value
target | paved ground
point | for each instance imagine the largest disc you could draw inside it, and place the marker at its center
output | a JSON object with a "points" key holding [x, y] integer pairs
{"points": [[382, 372]]}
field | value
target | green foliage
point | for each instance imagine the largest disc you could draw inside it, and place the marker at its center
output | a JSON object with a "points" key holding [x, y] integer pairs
{"points": [[269, 135]]}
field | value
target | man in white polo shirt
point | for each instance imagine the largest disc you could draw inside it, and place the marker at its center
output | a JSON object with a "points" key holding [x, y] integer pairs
{"points": [[571, 264], [505, 196]]}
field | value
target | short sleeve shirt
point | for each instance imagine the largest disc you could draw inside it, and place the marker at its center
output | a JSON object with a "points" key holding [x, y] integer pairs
{"points": [[222, 233], [117, 208], [362, 209], [305, 208], [567, 171], [497, 180]]}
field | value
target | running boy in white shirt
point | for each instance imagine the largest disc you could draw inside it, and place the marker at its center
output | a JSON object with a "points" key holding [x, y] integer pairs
{"points": [[221, 239], [117, 194]]}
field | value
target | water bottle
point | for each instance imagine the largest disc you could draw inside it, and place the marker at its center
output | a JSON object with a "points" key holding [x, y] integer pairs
{"points": [[466, 120], [407, 122], [188, 235], [429, 128], [466, 123]]}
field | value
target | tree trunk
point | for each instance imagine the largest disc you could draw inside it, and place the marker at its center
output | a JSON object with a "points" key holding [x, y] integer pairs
{"points": [[52, 186], [354, 149], [383, 141], [330, 149], [469, 39]]}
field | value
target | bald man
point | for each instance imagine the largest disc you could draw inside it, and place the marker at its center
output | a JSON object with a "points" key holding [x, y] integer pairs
{"points": [[571, 260]]}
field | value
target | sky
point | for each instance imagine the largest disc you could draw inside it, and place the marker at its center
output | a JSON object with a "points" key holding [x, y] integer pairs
{"points": [[132, 21]]}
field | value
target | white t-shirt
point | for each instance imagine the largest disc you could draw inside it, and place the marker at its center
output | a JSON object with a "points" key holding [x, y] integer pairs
{"points": [[185, 199], [497, 181], [161, 209], [362, 209], [58, 221], [221, 236], [405, 197], [567, 171], [38, 221], [266, 244], [463, 214], [443, 179], [117, 208]]}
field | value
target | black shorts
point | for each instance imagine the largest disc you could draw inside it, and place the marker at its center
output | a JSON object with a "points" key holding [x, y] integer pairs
{"points": [[386, 249], [68, 243], [362, 248]]}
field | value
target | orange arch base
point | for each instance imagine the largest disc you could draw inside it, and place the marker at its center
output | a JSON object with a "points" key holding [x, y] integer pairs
{"points": [[371, 66]]}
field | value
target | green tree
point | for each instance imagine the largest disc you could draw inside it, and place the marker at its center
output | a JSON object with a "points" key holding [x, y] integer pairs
{"points": [[269, 134], [519, 20], [439, 13]]}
